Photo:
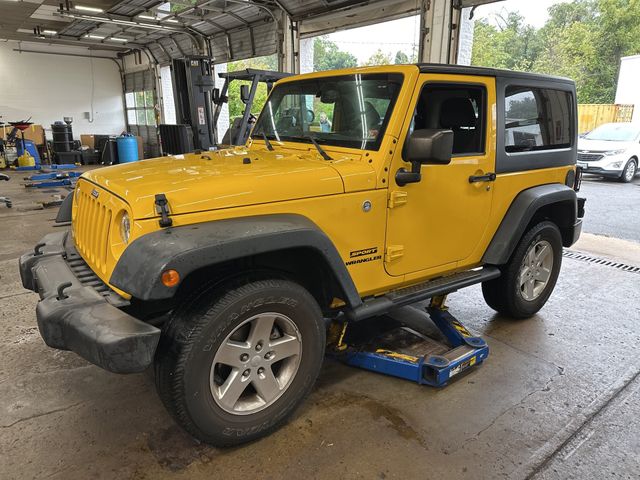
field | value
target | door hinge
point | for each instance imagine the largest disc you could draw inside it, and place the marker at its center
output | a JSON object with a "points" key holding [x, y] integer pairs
{"points": [[397, 198], [393, 252]]}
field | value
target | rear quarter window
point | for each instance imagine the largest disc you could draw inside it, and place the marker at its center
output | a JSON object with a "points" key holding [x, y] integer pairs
{"points": [[537, 119], [536, 123]]}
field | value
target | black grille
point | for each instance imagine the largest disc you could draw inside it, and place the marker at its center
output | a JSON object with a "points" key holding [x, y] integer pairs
{"points": [[83, 272], [589, 157]]}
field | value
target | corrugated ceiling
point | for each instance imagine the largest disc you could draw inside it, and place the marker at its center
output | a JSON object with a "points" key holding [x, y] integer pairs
{"points": [[237, 29]]}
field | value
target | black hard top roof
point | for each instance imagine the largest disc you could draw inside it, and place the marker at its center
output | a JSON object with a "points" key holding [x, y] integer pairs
{"points": [[251, 73], [488, 72]]}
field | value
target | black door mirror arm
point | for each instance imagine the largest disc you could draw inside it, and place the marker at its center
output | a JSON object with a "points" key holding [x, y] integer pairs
{"points": [[403, 177]]}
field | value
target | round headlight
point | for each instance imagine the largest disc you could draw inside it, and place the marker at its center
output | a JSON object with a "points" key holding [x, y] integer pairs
{"points": [[125, 227]]}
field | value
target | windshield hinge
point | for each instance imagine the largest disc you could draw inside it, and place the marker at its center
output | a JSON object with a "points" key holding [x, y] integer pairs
{"points": [[162, 209], [397, 198], [393, 252]]}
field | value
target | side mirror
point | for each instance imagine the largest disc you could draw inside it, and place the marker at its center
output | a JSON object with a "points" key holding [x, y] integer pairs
{"points": [[425, 147], [215, 94], [244, 93]]}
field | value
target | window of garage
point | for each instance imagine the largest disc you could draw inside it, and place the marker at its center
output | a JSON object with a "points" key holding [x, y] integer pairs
{"points": [[140, 102]]}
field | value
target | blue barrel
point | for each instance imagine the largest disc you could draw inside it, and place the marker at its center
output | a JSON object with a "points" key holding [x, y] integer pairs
{"points": [[127, 148]]}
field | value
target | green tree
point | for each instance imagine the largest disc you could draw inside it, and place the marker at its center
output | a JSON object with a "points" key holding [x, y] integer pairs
{"points": [[401, 58], [582, 40], [512, 45], [328, 56], [236, 107], [379, 58]]}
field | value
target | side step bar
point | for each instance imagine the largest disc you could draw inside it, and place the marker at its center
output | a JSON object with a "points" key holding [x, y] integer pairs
{"points": [[423, 291]]}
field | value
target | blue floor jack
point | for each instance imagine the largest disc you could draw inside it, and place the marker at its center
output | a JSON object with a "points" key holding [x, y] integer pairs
{"points": [[388, 345]]}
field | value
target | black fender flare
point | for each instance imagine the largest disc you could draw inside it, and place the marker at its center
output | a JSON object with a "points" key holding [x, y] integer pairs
{"points": [[522, 210], [191, 247], [64, 212]]}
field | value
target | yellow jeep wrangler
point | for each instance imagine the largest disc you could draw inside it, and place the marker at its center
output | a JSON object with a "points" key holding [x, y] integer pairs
{"points": [[359, 191]]}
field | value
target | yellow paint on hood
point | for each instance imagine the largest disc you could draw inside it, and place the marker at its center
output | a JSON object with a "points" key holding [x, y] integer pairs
{"points": [[221, 179]]}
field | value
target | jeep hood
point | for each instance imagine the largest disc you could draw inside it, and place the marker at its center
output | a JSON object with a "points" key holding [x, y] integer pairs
{"points": [[227, 178]]}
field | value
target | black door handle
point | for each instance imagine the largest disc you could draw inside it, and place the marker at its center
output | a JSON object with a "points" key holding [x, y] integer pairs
{"points": [[489, 177]]}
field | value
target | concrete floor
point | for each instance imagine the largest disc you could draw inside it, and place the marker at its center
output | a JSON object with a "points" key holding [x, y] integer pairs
{"points": [[559, 397]]}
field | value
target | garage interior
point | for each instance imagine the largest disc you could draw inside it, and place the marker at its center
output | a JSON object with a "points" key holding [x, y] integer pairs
{"points": [[559, 396]]}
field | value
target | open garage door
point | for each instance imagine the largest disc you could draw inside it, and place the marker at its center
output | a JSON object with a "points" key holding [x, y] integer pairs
{"points": [[141, 99]]}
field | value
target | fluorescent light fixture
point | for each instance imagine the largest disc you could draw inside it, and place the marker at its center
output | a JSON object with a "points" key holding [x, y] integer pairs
{"points": [[171, 20], [82, 8], [95, 37], [117, 39], [115, 21], [49, 32], [147, 17]]}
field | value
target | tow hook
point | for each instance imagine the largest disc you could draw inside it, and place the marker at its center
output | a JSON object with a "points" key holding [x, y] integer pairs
{"points": [[38, 249], [61, 288]]}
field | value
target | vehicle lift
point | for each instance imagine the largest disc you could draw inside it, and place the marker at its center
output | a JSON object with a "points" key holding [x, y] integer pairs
{"points": [[52, 179], [390, 346]]}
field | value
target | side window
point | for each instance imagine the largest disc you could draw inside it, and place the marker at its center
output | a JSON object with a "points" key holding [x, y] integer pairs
{"points": [[461, 109], [537, 119]]}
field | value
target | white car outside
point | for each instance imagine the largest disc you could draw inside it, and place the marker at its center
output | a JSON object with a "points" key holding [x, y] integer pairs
{"points": [[611, 150]]}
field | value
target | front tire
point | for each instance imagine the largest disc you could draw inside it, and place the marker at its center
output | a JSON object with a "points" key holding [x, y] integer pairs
{"points": [[530, 275], [233, 364], [629, 172]]}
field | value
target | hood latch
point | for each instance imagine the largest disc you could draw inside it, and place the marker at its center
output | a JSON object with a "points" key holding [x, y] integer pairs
{"points": [[162, 208]]}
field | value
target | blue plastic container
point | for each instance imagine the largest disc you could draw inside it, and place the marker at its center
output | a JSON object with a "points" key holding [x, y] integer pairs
{"points": [[127, 148]]}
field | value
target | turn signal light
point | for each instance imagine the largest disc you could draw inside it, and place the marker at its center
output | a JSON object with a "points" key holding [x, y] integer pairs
{"points": [[170, 278]]}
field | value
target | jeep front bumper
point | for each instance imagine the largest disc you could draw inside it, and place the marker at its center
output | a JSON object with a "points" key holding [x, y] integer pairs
{"points": [[78, 317]]}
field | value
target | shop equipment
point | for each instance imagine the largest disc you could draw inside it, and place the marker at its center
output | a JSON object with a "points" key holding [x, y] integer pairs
{"points": [[66, 150], [53, 176], [199, 104], [5, 200], [429, 348], [240, 129], [192, 86], [53, 179], [25, 160]]}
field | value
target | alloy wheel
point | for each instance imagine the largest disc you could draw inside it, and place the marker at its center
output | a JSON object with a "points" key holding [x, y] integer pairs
{"points": [[256, 363], [630, 171], [535, 270]]}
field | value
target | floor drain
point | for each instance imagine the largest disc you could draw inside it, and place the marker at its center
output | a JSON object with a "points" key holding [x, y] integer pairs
{"points": [[585, 257]]}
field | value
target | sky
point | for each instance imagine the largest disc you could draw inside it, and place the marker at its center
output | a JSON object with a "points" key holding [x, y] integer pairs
{"points": [[403, 34]]}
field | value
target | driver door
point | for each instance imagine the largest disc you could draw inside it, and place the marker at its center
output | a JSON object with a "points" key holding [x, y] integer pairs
{"points": [[437, 224]]}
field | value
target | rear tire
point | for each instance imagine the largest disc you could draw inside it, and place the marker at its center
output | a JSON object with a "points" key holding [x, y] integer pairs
{"points": [[530, 275], [234, 363]]}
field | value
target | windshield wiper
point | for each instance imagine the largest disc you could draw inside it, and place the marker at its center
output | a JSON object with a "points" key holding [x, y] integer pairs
{"points": [[321, 151], [267, 142]]}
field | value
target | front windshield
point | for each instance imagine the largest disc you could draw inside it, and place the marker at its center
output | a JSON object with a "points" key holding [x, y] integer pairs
{"points": [[346, 111], [614, 132]]}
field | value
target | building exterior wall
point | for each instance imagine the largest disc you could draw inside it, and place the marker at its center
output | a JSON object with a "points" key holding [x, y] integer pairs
{"points": [[627, 91]]}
